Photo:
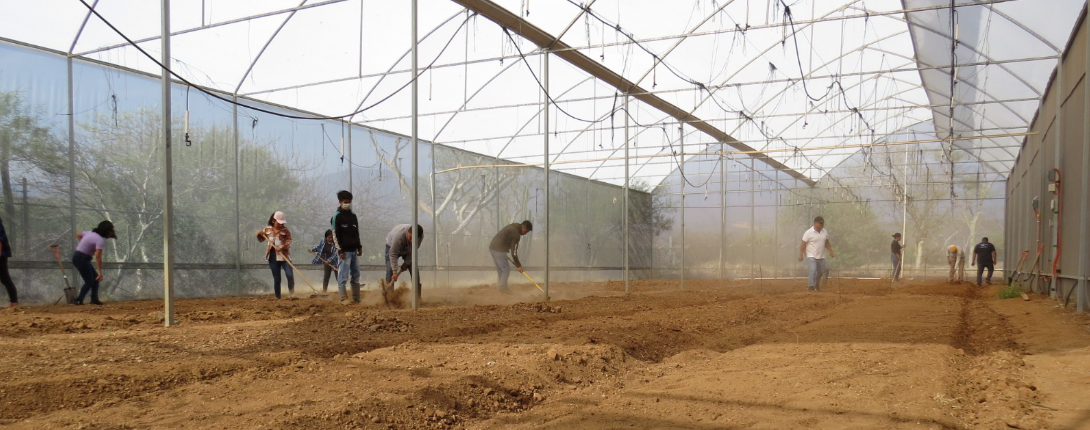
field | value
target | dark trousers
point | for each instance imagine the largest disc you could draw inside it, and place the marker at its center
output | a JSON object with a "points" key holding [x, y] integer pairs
{"points": [[325, 280], [390, 269], [87, 271], [5, 278], [980, 271], [276, 266]]}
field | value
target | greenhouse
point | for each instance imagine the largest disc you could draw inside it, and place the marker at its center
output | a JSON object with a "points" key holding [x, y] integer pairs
{"points": [[669, 156]]}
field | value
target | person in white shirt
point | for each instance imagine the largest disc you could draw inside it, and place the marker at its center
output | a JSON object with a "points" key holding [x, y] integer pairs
{"points": [[814, 243]]}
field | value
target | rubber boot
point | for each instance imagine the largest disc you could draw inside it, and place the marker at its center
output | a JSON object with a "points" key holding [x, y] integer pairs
{"points": [[356, 292]]}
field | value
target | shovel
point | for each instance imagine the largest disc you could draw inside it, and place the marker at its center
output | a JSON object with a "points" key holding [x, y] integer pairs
{"points": [[69, 292]]}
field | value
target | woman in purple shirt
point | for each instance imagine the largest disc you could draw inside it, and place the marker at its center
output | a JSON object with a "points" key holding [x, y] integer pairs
{"points": [[90, 245]]}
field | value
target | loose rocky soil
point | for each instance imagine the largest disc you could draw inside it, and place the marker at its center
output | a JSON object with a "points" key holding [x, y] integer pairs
{"points": [[717, 354]]}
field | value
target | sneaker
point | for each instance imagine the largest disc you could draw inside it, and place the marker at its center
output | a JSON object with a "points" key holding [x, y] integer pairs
{"points": [[13, 305], [346, 302], [78, 303], [96, 302]]}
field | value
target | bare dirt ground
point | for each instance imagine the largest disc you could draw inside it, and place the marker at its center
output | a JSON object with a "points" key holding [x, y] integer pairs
{"points": [[717, 355]]}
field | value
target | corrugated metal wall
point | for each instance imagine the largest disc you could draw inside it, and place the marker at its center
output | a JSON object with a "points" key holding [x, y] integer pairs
{"points": [[1058, 142]]}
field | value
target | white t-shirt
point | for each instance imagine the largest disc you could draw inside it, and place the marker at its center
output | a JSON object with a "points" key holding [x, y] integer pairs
{"points": [[815, 242]]}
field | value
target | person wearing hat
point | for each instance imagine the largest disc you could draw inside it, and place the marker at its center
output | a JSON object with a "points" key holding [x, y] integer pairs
{"points": [[90, 246], [278, 250], [895, 257], [956, 258], [985, 253]]}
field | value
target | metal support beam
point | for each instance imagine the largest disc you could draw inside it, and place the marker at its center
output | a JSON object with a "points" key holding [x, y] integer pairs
{"points": [[681, 184], [545, 117], [752, 218], [513, 22], [238, 208], [1084, 222], [625, 214], [168, 178], [71, 158], [723, 215], [416, 177]]}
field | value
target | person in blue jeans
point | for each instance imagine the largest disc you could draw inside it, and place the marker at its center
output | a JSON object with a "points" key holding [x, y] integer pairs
{"points": [[278, 250], [90, 246], [814, 243], [346, 235], [325, 253]]}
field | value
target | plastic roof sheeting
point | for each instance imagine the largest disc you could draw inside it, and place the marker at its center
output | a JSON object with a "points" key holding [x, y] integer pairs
{"points": [[800, 79]]}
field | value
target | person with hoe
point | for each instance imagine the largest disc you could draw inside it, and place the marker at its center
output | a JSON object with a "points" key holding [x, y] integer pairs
{"points": [[90, 246], [325, 253], [507, 240], [814, 243], [399, 246], [346, 237], [895, 257], [278, 250]]}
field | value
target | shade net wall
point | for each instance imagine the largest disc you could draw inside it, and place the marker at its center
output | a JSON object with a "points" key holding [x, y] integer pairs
{"points": [[748, 220], [1059, 142], [236, 167]]}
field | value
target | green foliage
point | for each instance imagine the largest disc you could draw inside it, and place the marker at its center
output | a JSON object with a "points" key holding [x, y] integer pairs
{"points": [[1010, 292]]}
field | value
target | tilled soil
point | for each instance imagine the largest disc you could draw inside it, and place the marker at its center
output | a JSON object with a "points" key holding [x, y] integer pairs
{"points": [[717, 354]]}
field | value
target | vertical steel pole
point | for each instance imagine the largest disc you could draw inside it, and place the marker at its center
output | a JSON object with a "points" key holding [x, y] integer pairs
{"points": [[776, 228], [752, 217], [722, 213], [26, 216], [904, 219], [71, 156], [168, 178], [548, 230], [624, 218], [416, 189], [238, 191], [681, 182], [1084, 244], [434, 221]]}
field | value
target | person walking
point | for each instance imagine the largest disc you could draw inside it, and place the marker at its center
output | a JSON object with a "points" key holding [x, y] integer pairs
{"points": [[399, 246], [346, 237], [896, 258], [278, 250], [985, 253], [955, 257], [507, 240], [90, 246], [5, 276], [325, 253], [814, 243]]}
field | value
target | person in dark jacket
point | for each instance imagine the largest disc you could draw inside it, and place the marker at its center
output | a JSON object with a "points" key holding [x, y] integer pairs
{"points": [[325, 253], [90, 246], [985, 254], [346, 236], [507, 240], [5, 277]]}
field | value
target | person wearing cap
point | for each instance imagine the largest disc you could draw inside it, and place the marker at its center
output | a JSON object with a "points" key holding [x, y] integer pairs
{"points": [[985, 253], [278, 250], [895, 257], [955, 257], [814, 243], [507, 240], [90, 246]]}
